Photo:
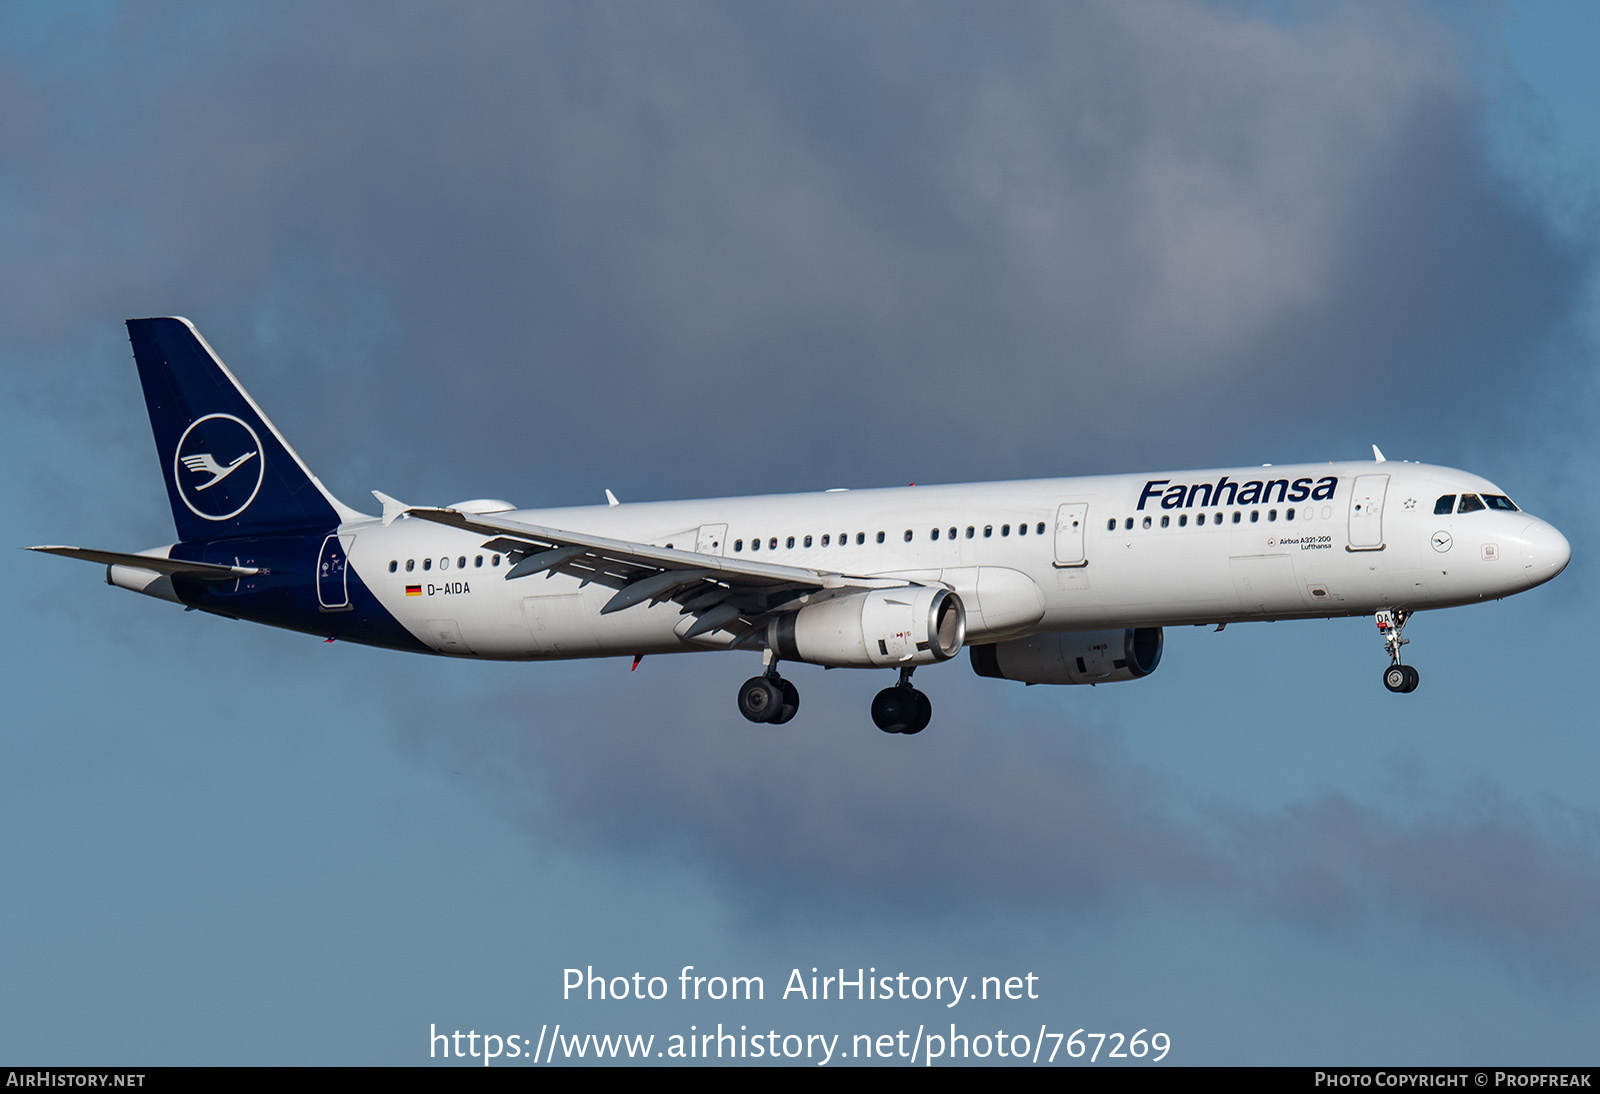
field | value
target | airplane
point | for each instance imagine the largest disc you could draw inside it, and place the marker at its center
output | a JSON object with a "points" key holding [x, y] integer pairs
{"points": [[1047, 581]]}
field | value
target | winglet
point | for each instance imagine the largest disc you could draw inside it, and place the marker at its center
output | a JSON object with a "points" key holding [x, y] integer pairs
{"points": [[611, 499], [1377, 456], [393, 508]]}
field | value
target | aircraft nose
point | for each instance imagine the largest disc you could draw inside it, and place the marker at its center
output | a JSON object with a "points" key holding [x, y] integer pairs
{"points": [[1545, 551]]}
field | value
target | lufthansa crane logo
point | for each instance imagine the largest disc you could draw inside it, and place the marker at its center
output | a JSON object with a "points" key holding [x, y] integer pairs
{"points": [[218, 467]]}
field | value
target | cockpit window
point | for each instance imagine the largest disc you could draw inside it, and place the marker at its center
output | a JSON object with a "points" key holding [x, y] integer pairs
{"points": [[1445, 505], [1500, 502], [1469, 504]]}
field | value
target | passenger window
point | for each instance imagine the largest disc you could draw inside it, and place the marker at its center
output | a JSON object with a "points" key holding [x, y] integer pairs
{"points": [[951, 534], [1288, 514], [1236, 516], [1005, 529], [808, 541], [1444, 506], [1183, 520], [825, 539], [988, 529], [1111, 525], [772, 543], [1165, 520], [427, 564], [755, 545], [1040, 528], [789, 543], [1147, 523], [971, 531], [861, 537], [477, 562], [1199, 518], [394, 565], [1272, 515], [1469, 504], [738, 545], [908, 536], [461, 563], [494, 560], [880, 537], [1022, 529], [1128, 524], [444, 564], [1255, 516], [411, 564]]}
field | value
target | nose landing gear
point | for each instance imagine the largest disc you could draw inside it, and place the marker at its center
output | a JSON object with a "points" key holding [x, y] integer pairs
{"points": [[1397, 677]]}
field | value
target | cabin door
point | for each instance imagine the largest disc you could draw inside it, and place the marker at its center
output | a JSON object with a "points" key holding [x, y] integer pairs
{"points": [[333, 591], [1366, 512], [1071, 518]]}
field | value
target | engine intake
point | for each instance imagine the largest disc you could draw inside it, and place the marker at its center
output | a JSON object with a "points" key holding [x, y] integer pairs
{"points": [[1072, 657], [915, 625]]}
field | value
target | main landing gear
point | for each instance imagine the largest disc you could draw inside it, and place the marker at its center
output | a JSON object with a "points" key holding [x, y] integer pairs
{"points": [[902, 708], [771, 699], [1397, 677]]}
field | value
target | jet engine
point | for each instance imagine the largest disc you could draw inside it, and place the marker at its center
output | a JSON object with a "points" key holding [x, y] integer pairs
{"points": [[1072, 657], [878, 628]]}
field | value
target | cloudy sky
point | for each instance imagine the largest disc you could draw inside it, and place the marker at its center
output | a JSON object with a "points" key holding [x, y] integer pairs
{"points": [[541, 250]]}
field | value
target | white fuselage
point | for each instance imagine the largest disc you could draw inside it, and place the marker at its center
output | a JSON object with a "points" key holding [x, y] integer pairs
{"points": [[1025, 557]]}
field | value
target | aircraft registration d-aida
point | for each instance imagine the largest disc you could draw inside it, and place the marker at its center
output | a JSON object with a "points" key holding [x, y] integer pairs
{"points": [[1048, 581]]}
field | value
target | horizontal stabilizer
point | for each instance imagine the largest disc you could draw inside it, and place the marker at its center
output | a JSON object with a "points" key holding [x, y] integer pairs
{"points": [[205, 571]]}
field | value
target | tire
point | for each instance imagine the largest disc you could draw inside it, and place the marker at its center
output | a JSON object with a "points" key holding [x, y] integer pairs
{"points": [[1396, 677], [760, 700], [790, 706], [892, 709], [921, 713]]}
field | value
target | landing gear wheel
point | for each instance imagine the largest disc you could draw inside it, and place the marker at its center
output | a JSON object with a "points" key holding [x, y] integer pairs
{"points": [[1401, 679], [891, 709], [761, 699], [901, 709], [791, 701], [921, 715]]}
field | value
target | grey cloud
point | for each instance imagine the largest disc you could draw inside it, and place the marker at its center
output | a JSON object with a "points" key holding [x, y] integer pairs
{"points": [[834, 815], [955, 245], [991, 811]]}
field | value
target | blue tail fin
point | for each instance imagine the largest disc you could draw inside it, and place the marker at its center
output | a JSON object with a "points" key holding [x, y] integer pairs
{"points": [[228, 470]]}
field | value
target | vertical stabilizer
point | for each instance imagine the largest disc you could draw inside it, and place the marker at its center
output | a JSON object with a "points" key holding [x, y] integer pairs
{"points": [[228, 470]]}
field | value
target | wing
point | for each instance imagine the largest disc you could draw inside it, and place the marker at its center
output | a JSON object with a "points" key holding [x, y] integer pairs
{"points": [[723, 594]]}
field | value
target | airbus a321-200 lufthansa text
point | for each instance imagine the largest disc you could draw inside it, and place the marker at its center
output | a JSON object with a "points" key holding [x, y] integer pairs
{"points": [[1048, 581]]}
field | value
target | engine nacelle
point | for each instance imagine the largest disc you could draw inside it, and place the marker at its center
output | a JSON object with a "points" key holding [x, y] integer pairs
{"points": [[1072, 657], [915, 625]]}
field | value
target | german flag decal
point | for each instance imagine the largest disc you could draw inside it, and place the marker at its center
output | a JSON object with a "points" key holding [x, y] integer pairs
{"points": [[413, 590]]}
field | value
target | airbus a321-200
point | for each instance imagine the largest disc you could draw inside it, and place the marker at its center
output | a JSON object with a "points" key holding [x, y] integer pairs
{"points": [[1048, 581]]}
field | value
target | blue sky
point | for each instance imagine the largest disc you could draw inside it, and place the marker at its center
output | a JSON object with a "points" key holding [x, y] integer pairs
{"points": [[697, 250]]}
